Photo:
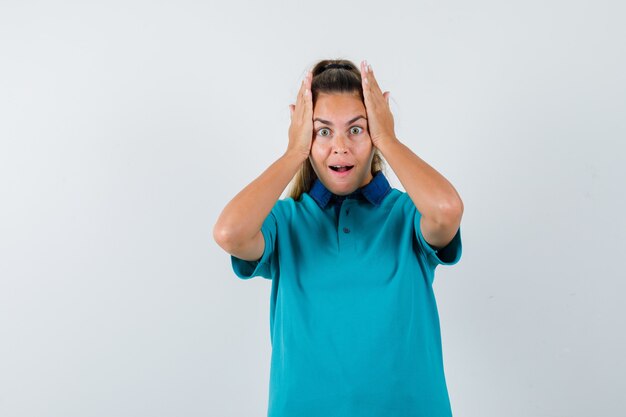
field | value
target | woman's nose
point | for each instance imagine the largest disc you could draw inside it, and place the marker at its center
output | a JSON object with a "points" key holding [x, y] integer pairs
{"points": [[339, 145]]}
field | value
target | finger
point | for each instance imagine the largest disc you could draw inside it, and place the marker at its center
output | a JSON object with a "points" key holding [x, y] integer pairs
{"points": [[307, 95], [372, 95], [292, 108], [365, 83], [364, 73], [305, 89], [386, 94], [371, 78], [296, 108], [370, 85], [303, 85], [308, 80], [308, 102]]}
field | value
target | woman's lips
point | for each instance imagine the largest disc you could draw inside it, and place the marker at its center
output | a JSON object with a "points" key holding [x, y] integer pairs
{"points": [[341, 170]]}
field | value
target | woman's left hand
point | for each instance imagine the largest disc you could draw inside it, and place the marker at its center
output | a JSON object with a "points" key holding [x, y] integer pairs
{"points": [[379, 117]]}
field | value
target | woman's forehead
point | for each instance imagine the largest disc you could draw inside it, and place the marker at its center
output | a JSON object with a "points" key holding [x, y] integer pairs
{"points": [[338, 107]]}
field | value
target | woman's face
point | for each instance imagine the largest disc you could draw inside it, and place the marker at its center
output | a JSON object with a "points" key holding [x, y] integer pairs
{"points": [[342, 151]]}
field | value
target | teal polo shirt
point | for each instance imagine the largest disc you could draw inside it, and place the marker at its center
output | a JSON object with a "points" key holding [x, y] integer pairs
{"points": [[354, 325]]}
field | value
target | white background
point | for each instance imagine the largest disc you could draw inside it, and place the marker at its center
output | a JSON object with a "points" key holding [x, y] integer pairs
{"points": [[126, 127]]}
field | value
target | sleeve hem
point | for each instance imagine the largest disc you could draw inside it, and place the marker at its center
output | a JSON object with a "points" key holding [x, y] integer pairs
{"points": [[449, 254], [248, 269]]}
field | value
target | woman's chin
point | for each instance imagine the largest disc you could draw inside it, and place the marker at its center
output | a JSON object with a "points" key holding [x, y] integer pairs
{"points": [[343, 189]]}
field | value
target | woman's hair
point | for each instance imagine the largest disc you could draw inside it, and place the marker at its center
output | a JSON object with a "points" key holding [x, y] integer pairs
{"points": [[331, 76]]}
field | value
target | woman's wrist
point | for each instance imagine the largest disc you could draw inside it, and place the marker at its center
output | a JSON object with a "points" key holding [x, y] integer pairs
{"points": [[296, 156], [385, 142]]}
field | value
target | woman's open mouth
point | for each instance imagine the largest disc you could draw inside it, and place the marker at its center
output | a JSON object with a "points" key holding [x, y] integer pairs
{"points": [[341, 168]]}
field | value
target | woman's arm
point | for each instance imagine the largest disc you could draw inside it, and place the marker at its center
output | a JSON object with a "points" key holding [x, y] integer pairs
{"points": [[238, 228], [435, 198]]}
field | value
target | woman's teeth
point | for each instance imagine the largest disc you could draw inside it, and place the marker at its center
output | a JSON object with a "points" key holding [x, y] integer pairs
{"points": [[341, 168]]}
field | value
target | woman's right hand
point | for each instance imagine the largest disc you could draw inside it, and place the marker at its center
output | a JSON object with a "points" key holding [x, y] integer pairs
{"points": [[301, 128]]}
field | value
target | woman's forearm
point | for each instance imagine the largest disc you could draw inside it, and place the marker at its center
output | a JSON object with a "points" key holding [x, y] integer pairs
{"points": [[244, 215], [432, 194], [238, 228]]}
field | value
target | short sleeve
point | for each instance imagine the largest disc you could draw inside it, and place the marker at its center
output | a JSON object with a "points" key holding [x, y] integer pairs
{"points": [[448, 255], [262, 267]]}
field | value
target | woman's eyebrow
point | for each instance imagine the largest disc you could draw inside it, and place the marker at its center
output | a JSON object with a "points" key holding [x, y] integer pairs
{"points": [[326, 122]]}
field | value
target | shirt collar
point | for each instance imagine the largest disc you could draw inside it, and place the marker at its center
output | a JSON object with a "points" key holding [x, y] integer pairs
{"points": [[374, 192]]}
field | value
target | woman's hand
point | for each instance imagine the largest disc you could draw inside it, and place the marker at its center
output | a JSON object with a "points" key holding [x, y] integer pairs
{"points": [[301, 128], [379, 117]]}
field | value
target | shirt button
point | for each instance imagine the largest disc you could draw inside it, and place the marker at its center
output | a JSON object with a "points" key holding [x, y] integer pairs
{"points": [[347, 211], [346, 230]]}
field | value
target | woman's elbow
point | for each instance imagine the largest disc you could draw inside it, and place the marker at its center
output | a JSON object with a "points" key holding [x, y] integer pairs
{"points": [[225, 237], [451, 212]]}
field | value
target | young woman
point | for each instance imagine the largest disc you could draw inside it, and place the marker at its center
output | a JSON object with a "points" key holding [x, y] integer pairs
{"points": [[353, 319]]}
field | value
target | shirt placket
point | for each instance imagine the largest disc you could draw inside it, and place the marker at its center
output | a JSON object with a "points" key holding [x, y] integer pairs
{"points": [[345, 226]]}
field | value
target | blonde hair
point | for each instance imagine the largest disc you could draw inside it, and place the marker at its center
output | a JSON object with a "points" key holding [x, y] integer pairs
{"points": [[331, 76]]}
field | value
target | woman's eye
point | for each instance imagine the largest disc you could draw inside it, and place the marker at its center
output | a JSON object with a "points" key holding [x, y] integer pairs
{"points": [[323, 132], [355, 130]]}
